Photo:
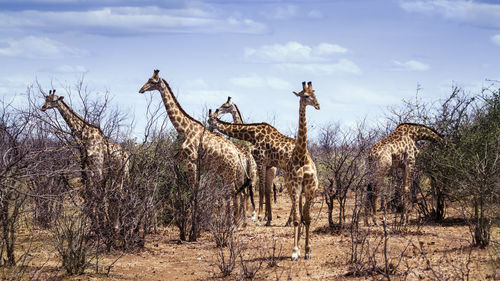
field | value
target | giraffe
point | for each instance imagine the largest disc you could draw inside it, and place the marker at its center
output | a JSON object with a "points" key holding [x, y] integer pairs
{"points": [[97, 153], [271, 149], [397, 150], [266, 176], [221, 155], [300, 174], [95, 147]]}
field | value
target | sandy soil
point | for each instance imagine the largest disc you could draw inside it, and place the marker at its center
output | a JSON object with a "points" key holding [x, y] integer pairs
{"points": [[164, 258]]}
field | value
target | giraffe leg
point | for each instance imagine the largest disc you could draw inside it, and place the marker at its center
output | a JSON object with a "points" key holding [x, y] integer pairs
{"points": [[290, 218], [307, 221], [294, 190], [262, 183], [192, 172], [406, 193], [270, 173]]}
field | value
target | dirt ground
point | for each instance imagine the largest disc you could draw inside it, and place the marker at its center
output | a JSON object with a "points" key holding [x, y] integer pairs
{"points": [[433, 252]]}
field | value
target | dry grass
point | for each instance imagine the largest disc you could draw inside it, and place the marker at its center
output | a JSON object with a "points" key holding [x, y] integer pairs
{"points": [[433, 251]]}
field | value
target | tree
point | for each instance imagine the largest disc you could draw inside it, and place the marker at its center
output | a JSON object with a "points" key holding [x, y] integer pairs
{"points": [[341, 156], [469, 166]]}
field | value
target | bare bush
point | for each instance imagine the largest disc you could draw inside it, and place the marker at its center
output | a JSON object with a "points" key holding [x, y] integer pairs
{"points": [[15, 154], [72, 241], [275, 254], [227, 243], [252, 265], [341, 157]]}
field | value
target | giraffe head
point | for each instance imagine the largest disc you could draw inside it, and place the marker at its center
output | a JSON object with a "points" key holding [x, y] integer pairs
{"points": [[227, 107], [211, 118], [51, 100], [307, 95], [153, 83]]}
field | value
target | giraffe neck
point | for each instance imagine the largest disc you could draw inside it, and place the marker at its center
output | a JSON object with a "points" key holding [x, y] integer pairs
{"points": [[301, 144], [74, 121], [237, 119], [182, 122], [420, 132], [244, 132]]}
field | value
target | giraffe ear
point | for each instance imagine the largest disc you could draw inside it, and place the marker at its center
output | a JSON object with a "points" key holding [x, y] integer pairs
{"points": [[60, 98], [297, 94]]}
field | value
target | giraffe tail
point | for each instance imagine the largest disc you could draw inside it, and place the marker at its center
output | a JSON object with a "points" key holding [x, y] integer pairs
{"points": [[247, 183], [250, 191], [275, 191]]}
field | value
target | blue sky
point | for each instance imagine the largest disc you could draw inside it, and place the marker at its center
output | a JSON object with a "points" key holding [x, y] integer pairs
{"points": [[361, 55]]}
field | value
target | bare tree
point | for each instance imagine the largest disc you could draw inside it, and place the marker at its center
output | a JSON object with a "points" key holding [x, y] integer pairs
{"points": [[14, 153], [341, 155]]}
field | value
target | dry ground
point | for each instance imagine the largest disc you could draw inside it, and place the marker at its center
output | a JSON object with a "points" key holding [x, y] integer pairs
{"points": [[164, 258]]}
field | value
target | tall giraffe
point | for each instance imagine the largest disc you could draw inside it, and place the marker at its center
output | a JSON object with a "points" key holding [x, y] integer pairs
{"points": [[397, 150], [266, 176], [221, 155], [97, 153], [95, 148], [300, 173], [271, 148]]}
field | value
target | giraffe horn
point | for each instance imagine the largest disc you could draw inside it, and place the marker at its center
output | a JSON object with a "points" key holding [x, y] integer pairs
{"points": [[209, 111], [309, 85], [228, 99], [304, 86], [54, 91], [50, 92]]}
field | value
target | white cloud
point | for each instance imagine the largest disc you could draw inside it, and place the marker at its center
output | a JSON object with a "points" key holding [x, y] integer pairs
{"points": [[472, 12], [129, 21], [255, 81], [293, 52], [38, 47], [328, 49], [342, 66], [496, 39], [412, 65], [296, 57]]}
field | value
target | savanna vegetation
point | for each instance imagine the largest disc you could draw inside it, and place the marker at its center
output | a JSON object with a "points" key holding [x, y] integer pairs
{"points": [[60, 218]]}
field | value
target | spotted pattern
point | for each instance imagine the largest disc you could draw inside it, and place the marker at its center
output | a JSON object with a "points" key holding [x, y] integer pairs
{"points": [[397, 150], [219, 155]]}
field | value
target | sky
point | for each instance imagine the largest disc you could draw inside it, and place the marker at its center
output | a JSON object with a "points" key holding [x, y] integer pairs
{"points": [[362, 56]]}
